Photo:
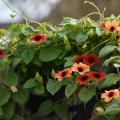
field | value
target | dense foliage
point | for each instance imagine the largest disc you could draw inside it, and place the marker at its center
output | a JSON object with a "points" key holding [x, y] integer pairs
{"points": [[76, 61]]}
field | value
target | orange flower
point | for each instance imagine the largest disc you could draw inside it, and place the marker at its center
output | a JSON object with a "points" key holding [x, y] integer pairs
{"points": [[118, 29], [38, 38], [112, 26], [111, 94], [98, 76], [66, 73], [118, 37], [81, 68], [2, 54], [102, 25], [84, 79], [90, 59], [78, 59]]}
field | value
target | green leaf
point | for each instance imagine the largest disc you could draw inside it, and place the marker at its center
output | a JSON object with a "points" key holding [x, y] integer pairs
{"points": [[99, 31], [36, 61], [68, 20], [61, 109], [107, 50], [115, 60], [112, 16], [45, 108], [53, 86], [100, 118], [15, 61], [118, 48], [27, 30], [113, 109], [15, 30], [39, 90], [8, 111], [29, 84], [10, 79], [28, 55], [69, 62], [49, 53], [50, 26], [86, 93], [35, 117], [69, 90], [21, 96], [82, 37], [4, 96], [110, 79], [3, 31], [16, 117], [1, 111]]}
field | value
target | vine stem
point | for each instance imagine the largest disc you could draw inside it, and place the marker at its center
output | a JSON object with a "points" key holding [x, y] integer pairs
{"points": [[118, 71], [98, 45], [93, 13]]}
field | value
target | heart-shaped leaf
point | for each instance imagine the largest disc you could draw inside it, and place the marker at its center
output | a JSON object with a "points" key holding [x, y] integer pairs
{"points": [[53, 86]]}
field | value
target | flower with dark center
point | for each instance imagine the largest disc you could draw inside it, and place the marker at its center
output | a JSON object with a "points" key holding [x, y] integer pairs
{"points": [[63, 74], [111, 94], [81, 68], [78, 59], [84, 79], [112, 26], [38, 38], [66, 73], [2, 53], [91, 59], [98, 76], [118, 37], [102, 25]]}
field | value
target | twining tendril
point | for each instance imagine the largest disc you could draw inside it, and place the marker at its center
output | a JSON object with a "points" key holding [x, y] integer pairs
{"points": [[101, 15]]}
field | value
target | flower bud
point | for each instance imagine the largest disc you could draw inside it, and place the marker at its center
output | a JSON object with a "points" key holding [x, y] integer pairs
{"points": [[53, 73], [13, 88], [5, 61], [67, 44], [84, 46], [98, 111], [90, 33], [38, 78]]}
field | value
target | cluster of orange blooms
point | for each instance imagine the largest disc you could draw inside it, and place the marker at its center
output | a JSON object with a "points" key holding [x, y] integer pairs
{"points": [[111, 26], [81, 68]]}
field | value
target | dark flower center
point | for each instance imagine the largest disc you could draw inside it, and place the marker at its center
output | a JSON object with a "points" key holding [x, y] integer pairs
{"points": [[1, 53], [117, 37], [112, 28], [110, 94], [80, 69], [96, 75], [63, 74], [84, 78], [91, 60], [37, 38]]}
